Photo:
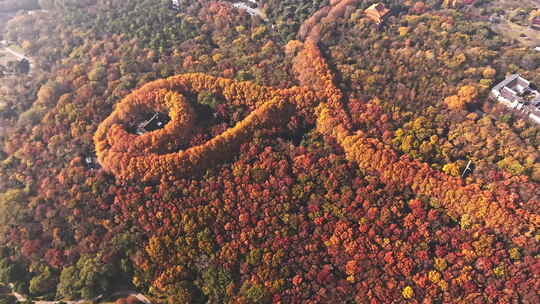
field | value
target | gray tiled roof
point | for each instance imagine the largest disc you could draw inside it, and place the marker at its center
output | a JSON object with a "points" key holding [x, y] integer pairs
{"points": [[508, 93], [505, 82]]}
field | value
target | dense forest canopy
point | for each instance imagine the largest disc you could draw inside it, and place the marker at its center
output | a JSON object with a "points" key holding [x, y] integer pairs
{"points": [[309, 155]]}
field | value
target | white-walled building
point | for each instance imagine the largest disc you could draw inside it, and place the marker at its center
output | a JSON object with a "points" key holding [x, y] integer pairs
{"points": [[516, 93]]}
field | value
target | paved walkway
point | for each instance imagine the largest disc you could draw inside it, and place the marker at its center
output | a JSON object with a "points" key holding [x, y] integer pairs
{"points": [[16, 54], [20, 56], [123, 293]]}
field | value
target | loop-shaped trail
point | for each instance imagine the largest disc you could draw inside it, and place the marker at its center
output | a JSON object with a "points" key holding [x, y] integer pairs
{"points": [[129, 156]]}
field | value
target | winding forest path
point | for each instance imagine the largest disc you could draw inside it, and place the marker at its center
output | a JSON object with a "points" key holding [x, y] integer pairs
{"points": [[133, 157], [123, 293], [22, 298]]}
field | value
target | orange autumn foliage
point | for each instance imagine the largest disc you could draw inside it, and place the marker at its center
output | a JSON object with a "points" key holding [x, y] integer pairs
{"points": [[466, 95], [138, 157], [130, 156]]}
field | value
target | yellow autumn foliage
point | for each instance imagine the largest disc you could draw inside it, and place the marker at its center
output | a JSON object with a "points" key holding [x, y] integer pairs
{"points": [[407, 292]]}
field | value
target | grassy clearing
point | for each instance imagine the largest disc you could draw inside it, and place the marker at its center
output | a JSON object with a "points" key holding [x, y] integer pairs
{"points": [[523, 34], [508, 27]]}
